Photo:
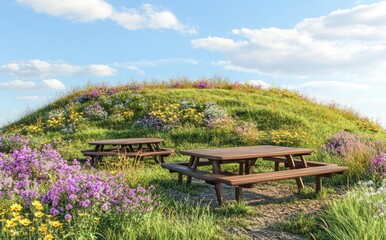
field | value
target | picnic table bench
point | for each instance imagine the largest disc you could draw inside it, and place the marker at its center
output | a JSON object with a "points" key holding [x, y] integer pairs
{"points": [[246, 157], [128, 147]]}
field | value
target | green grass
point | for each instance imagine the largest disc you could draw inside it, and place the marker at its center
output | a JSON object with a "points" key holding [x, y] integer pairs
{"points": [[276, 114]]}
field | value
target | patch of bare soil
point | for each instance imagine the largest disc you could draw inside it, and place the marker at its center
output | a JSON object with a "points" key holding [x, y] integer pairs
{"points": [[274, 202]]}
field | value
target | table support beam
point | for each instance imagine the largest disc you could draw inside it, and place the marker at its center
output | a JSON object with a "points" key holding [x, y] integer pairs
{"points": [[291, 164]]}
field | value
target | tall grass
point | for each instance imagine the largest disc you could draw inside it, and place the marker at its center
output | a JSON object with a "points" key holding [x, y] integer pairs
{"points": [[361, 215], [171, 220]]}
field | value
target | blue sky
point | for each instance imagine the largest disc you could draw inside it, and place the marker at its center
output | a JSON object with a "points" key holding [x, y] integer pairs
{"points": [[333, 51]]}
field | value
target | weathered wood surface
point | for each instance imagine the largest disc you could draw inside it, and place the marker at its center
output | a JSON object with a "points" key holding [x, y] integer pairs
{"points": [[251, 152]]}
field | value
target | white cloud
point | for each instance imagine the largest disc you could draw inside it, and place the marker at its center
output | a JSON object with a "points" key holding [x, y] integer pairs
{"points": [[218, 44], [258, 83], [135, 69], [77, 10], [18, 85], [54, 84], [150, 17], [334, 85], [98, 70], [32, 98], [21, 85], [38, 68], [348, 42]]}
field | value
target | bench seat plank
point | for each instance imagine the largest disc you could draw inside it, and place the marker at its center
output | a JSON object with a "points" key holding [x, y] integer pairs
{"points": [[298, 162], [114, 152], [240, 180], [185, 170]]}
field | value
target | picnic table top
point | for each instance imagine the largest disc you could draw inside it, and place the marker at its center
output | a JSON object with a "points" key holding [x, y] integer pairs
{"points": [[126, 141], [241, 153]]}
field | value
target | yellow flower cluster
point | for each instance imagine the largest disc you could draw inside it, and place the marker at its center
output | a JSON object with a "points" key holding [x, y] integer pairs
{"points": [[56, 121], [17, 222], [286, 138], [369, 126], [174, 112]]}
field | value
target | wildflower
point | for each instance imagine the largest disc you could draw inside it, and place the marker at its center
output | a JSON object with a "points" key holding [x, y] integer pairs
{"points": [[37, 205], [55, 223], [69, 207], [43, 228], [49, 237], [105, 207], [39, 214], [16, 207], [54, 211], [10, 223], [68, 217], [25, 222]]}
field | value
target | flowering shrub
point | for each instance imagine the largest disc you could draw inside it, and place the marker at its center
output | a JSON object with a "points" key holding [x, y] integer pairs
{"points": [[378, 168], [95, 112], [169, 116], [95, 93], [8, 143], [372, 196], [18, 222], [345, 143], [214, 115], [247, 132], [203, 84], [64, 120], [283, 138], [67, 192]]}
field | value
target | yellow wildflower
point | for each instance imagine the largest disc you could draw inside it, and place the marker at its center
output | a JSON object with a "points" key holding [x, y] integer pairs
{"points": [[56, 224], [10, 223], [97, 218], [49, 237], [25, 222], [16, 207], [43, 228], [39, 214], [37, 205]]}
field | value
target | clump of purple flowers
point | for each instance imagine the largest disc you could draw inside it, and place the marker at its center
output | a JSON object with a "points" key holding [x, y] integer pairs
{"points": [[8, 143], [28, 174], [214, 116], [345, 143], [378, 168], [203, 84], [151, 122], [95, 112], [97, 92]]}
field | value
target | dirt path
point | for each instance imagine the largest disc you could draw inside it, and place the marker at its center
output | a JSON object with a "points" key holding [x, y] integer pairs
{"points": [[274, 202]]}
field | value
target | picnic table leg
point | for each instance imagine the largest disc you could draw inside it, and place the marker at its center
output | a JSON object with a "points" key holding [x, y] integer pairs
{"points": [[277, 165], [100, 157], [291, 164], [318, 183], [249, 166], [241, 168], [220, 195], [193, 162], [238, 193]]}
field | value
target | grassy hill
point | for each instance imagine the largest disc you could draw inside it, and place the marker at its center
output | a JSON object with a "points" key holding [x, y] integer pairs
{"points": [[245, 115], [190, 115]]}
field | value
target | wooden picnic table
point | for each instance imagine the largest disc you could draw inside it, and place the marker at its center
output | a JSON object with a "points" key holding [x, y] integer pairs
{"points": [[129, 147], [246, 158]]}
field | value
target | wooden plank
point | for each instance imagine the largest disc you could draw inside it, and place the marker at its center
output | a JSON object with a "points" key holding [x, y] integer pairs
{"points": [[126, 141], [242, 153], [298, 162], [280, 175]]}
